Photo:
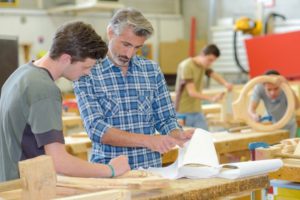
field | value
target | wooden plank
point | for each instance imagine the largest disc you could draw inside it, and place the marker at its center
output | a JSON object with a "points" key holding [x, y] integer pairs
{"points": [[169, 157], [78, 145], [40, 177], [11, 195], [226, 142], [71, 122], [211, 108], [11, 185], [136, 174], [152, 182], [104, 195]]}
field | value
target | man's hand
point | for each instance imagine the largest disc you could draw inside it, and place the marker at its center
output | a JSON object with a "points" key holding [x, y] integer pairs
{"points": [[120, 165], [163, 143], [183, 135]]}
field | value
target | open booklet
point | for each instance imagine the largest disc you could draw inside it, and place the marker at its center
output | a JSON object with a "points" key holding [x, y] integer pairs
{"points": [[198, 159]]}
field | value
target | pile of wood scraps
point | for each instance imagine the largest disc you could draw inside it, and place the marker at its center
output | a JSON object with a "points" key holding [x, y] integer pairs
{"points": [[288, 148], [289, 151]]}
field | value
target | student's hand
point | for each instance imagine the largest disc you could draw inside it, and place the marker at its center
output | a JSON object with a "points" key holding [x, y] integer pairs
{"points": [[120, 165], [162, 143], [217, 97], [229, 86], [255, 117], [280, 80]]}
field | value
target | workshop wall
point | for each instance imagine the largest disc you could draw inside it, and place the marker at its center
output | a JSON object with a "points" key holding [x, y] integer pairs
{"points": [[36, 27], [226, 8]]}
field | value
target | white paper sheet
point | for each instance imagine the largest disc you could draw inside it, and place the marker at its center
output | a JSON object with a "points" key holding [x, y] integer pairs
{"points": [[198, 159], [195, 172], [250, 168], [201, 150]]}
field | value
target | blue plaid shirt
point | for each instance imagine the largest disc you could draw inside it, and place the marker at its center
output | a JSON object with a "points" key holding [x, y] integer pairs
{"points": [[138, 102]]}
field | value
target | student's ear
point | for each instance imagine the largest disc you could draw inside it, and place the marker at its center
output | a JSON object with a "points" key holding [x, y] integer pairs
{"points": [[110, 33], [65, 59]]}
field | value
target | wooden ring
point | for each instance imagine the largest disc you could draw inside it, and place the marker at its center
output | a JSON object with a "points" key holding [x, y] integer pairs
{"points": [[240, 108]]}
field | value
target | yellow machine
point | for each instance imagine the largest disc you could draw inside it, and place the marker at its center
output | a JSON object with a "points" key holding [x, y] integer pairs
{"points": [[253, 27], [248, 26]]}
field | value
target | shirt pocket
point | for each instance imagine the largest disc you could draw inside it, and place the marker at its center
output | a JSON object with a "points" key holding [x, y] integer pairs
{"points": [[109, 104], [145, 100]]}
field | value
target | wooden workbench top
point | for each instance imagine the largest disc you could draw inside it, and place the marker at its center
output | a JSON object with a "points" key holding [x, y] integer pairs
{"points": [[289, 172], [203, 188], [181, 189], [230, 142], [224, 142]]}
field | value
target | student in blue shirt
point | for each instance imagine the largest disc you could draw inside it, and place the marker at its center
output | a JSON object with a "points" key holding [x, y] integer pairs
{"points": [[124, 101]]}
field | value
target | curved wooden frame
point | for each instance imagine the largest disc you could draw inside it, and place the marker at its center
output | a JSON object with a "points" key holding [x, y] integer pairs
{"points": [[240, 108]]}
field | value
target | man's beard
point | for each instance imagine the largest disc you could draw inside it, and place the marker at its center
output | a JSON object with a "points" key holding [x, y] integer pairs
{"points": [[123, 60], [120, 60]]}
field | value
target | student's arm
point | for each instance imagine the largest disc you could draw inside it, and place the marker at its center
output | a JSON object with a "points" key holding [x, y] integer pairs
{"points": [[69, 165], [190, 86], [252, 110], [217, 77]]}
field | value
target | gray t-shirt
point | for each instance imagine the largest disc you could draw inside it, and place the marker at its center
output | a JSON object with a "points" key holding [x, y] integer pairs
{"points": [[275, 108], [30, 117]]}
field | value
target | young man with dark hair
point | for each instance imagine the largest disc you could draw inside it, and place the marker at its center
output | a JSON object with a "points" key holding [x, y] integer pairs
{"points": [[274, 101], [31, 106], [189, 84]]}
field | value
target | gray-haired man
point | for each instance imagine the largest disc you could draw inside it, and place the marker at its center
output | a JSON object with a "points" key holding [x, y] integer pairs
{"points": [[125, 99]]}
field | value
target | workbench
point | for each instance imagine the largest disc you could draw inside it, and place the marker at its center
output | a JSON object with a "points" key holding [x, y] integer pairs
{"points": [[289, 153], [226, 144], [289, 172], [180, 189], [78, 145], [212, 188], [71, 122], [238, 142]]}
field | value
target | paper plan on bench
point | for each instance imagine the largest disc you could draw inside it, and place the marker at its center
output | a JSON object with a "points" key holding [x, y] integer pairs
{"points": [[198, 159], [250, 168], [200, 150]]}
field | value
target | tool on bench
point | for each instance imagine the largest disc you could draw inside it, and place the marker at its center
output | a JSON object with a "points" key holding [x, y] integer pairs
{"points": [[264, 119]]}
